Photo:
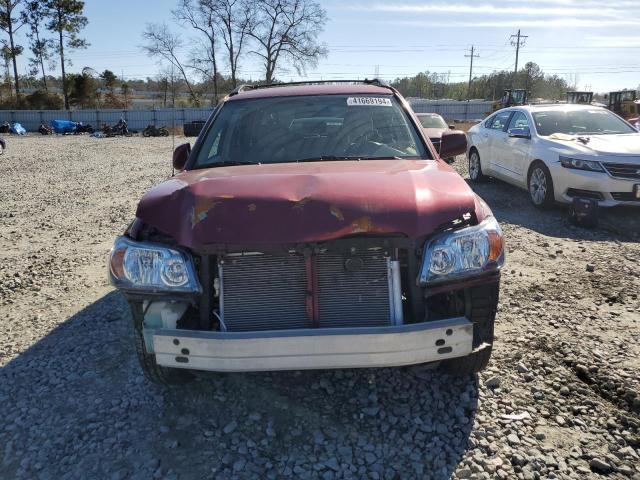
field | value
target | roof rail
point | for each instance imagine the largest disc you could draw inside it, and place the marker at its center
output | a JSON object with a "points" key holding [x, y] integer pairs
{"points": [[374, 81]]}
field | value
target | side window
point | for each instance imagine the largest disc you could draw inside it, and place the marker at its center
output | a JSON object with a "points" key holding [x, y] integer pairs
{"points": [[519, 120], [499, 121], [487, 122]]}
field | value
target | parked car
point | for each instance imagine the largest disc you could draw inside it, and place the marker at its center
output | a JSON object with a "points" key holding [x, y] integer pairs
{"points": [[434, 126], [311, 227], [559, 152]]}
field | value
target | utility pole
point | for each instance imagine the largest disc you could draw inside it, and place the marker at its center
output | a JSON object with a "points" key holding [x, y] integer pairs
{"points": [[472, 56], [519, 42]]}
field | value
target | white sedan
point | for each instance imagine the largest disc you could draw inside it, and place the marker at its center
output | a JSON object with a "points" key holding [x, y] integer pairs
{"points": [[559, 152]]}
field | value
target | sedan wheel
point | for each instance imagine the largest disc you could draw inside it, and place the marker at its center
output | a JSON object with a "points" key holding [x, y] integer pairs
{"points": [[540, 186], [475, 168]]}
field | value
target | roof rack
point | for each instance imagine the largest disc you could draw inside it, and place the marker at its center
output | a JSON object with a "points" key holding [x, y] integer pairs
{"points": [[374, 81]]}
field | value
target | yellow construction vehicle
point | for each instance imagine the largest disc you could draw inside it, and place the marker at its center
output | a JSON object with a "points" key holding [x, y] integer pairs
{"points": [[510, 98], [625, 103], [580, 97]]}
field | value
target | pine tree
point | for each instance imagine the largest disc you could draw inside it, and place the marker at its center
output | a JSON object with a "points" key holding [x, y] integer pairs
{"points": [[66, 19]]}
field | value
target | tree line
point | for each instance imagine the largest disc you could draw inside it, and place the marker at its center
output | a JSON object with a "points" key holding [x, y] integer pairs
{"points": [[486, 87], [279, 34], [52, 30]]}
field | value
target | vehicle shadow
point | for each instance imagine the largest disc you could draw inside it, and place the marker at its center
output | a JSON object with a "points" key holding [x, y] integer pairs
{"points": [[511, 204], [76, 405]]}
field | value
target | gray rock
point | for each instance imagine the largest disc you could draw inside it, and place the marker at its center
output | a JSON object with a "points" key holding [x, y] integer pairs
{"points": [[600, 466], [492, 382], [513, 439], [230, 427]]}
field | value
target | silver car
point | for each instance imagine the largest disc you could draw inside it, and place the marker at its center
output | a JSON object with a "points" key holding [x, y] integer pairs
{"points": [[559, 152]]}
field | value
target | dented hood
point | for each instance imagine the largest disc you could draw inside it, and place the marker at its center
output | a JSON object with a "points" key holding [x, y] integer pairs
{"points": [[301, 202]]}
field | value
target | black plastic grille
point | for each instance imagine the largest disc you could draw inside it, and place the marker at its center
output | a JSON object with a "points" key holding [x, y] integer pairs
{"points": [[623, 170]]}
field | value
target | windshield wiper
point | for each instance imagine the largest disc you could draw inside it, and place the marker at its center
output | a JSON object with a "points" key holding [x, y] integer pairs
{"points": [[229, 163], [326, 158], [331, 158]]}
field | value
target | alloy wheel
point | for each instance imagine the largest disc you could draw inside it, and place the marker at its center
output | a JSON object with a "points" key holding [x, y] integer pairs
{"points": [[474, 166], [538, 186]]}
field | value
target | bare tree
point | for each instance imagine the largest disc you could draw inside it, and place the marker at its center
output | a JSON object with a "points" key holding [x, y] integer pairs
{"points": [[162, 43], [10, 25], [202, 19], [287, 30], [234, 17]]}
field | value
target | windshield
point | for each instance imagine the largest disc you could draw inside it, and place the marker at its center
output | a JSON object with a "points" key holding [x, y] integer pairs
{"points": [[432, 121], [579, 122], [309, 128]]}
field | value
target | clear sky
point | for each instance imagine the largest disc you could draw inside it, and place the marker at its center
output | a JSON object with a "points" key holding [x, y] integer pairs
{"points": [[594, 41]]}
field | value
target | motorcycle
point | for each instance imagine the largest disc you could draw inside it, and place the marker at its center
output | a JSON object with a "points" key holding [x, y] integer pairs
{"points": [[153, 131], [119, 129], [81, 128], [45, 130]]}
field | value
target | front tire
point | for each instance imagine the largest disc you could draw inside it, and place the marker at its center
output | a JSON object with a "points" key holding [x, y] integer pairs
{"points": [[540, 186], [482, 303], [154, 372], [475, 167]]}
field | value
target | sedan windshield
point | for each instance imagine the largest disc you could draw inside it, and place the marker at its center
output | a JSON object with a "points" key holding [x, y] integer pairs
{"points": [[579, 122], [432, 121], [309, 128]]}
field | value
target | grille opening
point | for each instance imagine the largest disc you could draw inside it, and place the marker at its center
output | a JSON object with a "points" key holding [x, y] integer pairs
{"points": [[623, 170], [625, 197], [576, 192]]}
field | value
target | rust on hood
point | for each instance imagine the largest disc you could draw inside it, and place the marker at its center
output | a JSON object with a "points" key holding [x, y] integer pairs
{"points": [[288, 203], [201, 209], [336, 212]]}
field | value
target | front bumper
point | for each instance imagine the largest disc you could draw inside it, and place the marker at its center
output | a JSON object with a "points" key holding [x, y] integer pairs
{"points": [[565, 179], [313, 349]]}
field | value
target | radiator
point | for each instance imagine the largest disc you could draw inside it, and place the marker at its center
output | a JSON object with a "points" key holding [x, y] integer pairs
{"points": [[269, 292]]}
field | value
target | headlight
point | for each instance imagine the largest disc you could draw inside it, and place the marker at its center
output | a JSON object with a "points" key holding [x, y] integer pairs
{"points": [[151, 267], [576, 163], [463, 253]]}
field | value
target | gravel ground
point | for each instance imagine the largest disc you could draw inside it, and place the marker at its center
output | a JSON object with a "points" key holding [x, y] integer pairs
{"points": [[561, 398]]}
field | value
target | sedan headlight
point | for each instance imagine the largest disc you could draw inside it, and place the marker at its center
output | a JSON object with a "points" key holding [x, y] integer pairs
{"points": [[151, 267], [576, 163], [463, 253]]}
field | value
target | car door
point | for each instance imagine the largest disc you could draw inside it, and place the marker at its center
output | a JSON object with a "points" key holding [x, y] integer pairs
{"points": [[516, 151], [496, 138]]}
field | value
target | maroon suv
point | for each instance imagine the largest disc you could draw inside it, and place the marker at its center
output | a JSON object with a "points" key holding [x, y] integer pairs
{"points": [[311, 226]]}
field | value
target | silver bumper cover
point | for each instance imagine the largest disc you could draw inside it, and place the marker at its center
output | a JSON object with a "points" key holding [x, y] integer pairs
{"points": [[314, 348]]}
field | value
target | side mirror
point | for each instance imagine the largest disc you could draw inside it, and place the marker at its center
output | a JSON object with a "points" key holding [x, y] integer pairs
{"points": [[452, 127], [181, 155], [519, 133], [453, 143]]}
